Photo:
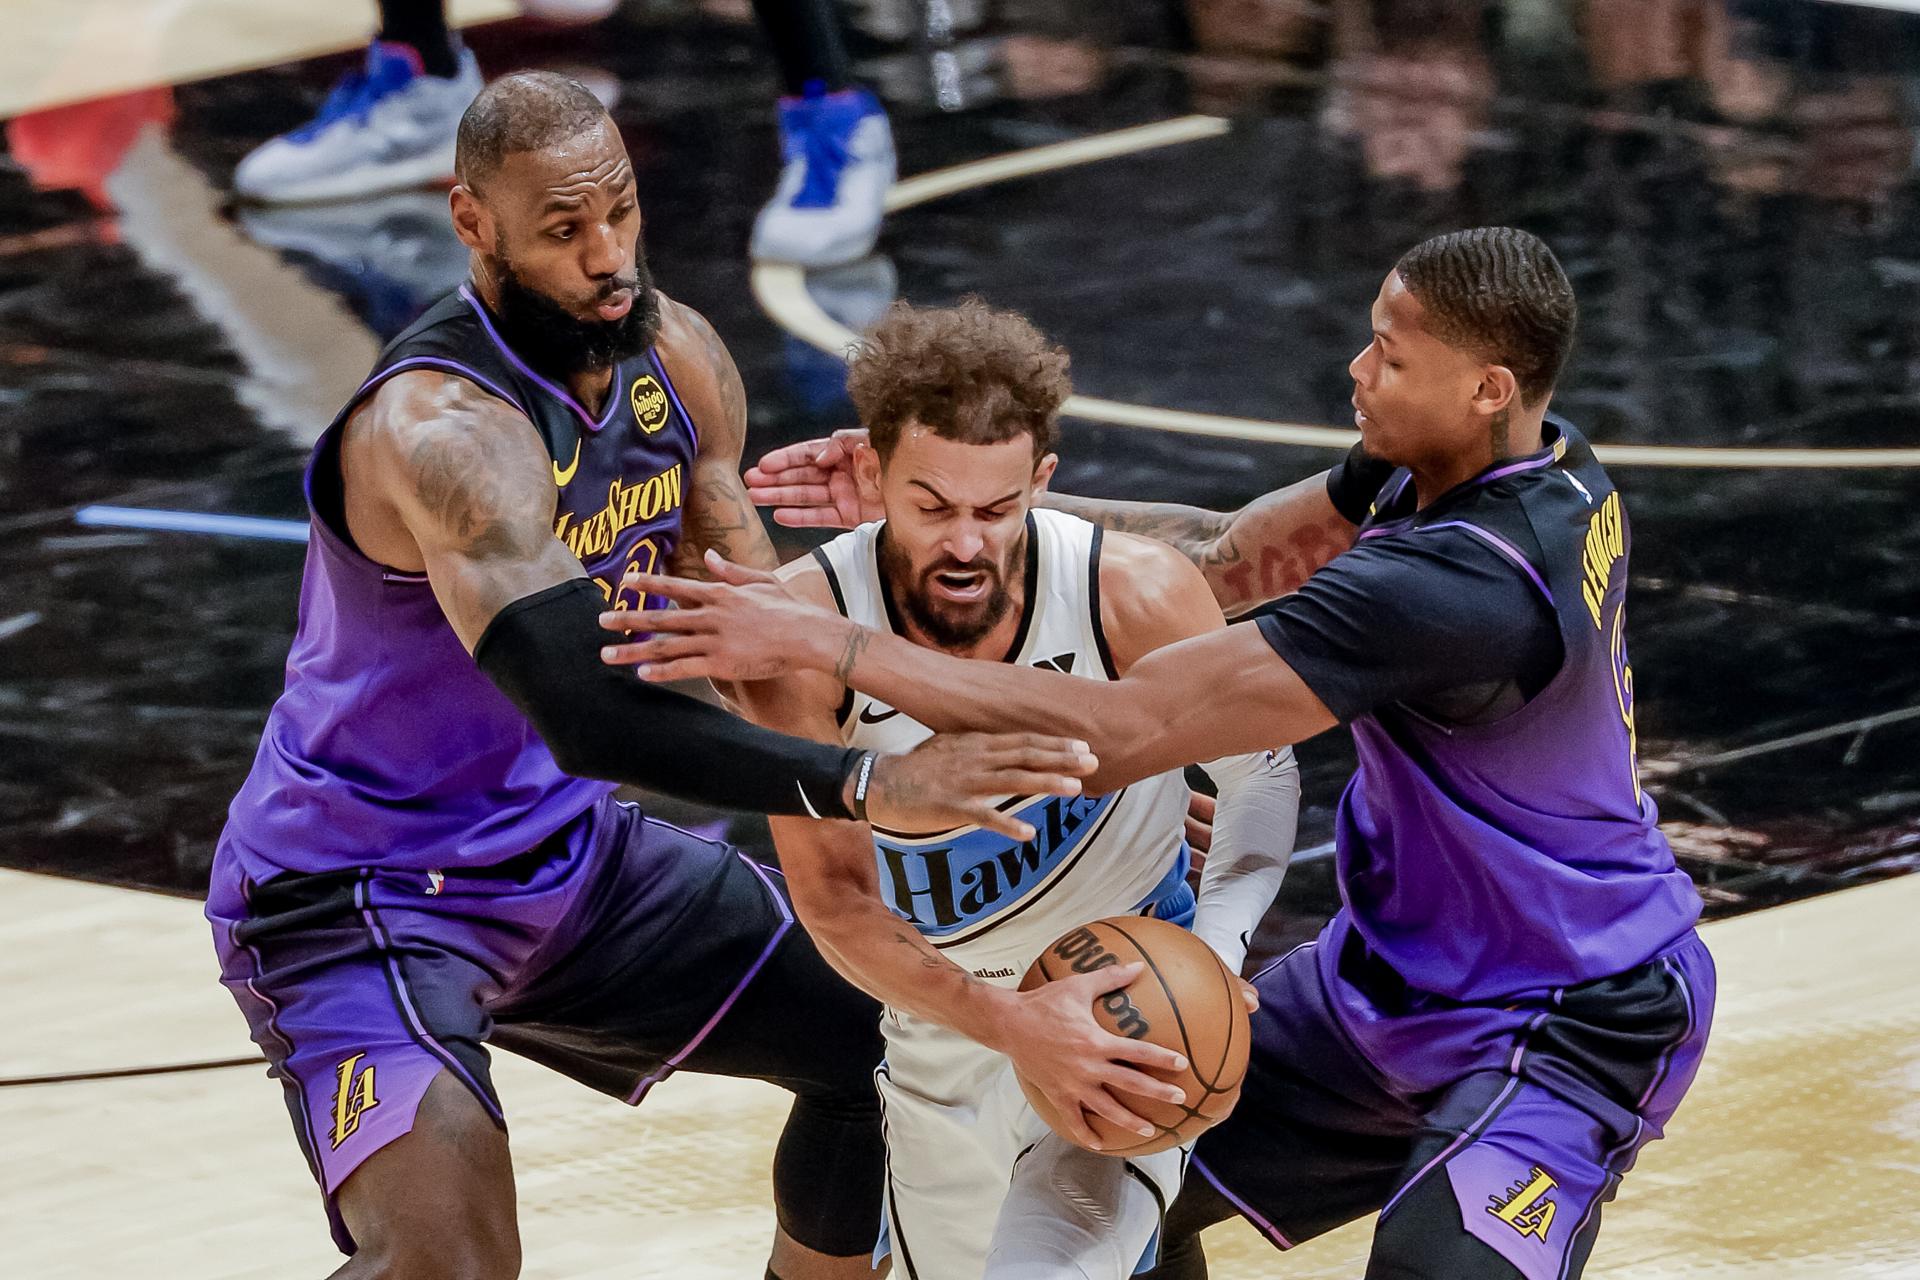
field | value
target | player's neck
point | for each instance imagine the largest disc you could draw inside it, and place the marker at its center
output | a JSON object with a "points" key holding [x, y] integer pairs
{"points": [[1515, 437], [590, 387]]}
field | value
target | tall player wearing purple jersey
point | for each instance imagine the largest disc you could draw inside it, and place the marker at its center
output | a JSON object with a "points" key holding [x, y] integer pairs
{"points": [[427, 856], [1511, 1000]]}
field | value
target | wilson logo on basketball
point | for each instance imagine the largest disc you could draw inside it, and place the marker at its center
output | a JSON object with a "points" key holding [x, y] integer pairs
{"points": [[649, 401], [1083, 953]]}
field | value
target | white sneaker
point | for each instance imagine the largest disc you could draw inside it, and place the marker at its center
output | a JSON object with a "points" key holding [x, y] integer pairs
{"points": [[385, 127], [839, 162]]}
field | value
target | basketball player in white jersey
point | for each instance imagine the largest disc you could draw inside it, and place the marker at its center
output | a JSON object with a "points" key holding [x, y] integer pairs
{"points": [[960, 404]]}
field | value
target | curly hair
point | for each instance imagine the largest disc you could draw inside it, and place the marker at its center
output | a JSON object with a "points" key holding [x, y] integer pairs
{"points": [[1500, 294], [968, 373]]}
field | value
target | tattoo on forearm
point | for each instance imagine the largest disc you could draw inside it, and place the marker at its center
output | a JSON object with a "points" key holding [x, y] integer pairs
{"points": [[1240, 582], [928, 960], [719, 515], [857, 642], [1192, 530]]}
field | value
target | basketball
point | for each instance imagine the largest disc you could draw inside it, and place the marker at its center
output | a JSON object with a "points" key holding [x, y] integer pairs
{"points": [[1186, 1001]]}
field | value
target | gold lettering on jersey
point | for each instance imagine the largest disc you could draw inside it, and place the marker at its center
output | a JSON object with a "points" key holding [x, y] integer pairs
{"points": [[649, 400], [627, 505], [1606, 543], [1526, 1208], [352, 1098]]}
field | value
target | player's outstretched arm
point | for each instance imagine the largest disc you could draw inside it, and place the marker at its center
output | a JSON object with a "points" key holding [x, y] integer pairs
{"points": [[1151, 597], [1258, 553], [465, 477], [1224, 693]]}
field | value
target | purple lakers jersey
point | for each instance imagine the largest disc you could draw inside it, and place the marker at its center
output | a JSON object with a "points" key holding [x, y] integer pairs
{"points": [[389, 747], [1481, 856]]}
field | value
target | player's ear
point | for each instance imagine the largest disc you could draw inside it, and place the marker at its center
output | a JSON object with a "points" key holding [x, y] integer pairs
{"points": [[1498, 390], [471, 221], [1043, 472], [866, 470]]}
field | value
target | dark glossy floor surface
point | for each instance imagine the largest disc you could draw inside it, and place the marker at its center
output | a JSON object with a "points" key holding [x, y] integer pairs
{"points": [[1731, 186]]}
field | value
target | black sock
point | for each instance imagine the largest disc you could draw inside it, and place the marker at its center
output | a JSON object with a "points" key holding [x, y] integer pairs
{"points": [[422, 24], [805, 35]]}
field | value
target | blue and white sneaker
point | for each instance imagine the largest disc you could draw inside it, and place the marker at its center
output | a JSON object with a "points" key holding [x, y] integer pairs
{"points": [[838, 163], [385, 127]]}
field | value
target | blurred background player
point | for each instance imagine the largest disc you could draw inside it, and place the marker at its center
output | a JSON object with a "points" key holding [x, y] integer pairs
{"points": [[963, 404], [390, 125]]}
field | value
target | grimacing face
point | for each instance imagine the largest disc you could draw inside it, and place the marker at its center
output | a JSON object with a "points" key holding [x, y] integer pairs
{"points": [[956, 520], [1416, 398]]}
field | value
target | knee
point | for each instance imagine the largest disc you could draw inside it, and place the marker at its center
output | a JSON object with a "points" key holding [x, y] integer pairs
{"points": [[464, 1255]]}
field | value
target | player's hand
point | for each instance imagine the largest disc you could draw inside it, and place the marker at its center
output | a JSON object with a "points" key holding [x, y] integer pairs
{"points": [[744, 625], [812, 484], [953, 780], [1061, 1050]]}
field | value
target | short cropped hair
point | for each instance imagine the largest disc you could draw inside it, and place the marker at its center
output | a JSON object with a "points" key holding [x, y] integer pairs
{"points": [[526, 111], [968, 373], [1500, 294]]}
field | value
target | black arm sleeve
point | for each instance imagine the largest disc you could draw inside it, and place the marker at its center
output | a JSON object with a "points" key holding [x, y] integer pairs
{"points": [[1413, 618], [543, 651]]}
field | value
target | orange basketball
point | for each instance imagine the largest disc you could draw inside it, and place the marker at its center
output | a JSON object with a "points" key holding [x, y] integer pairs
{"points": [[1186, 1001]]}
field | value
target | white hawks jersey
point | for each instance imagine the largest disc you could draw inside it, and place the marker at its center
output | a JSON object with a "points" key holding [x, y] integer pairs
{"points": [[988, 902]]}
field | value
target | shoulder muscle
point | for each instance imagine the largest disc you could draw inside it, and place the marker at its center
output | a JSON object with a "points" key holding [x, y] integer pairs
{"points": [[1151, 596]]}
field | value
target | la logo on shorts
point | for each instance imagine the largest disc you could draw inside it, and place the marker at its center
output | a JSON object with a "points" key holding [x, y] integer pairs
{"points": [[1526, 1207], [352, 1097]]}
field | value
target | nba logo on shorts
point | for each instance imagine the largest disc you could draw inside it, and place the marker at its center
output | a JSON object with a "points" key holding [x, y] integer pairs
{"points": [[352, 1098]]}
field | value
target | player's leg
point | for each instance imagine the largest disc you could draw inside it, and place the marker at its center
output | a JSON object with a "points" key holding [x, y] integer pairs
{"points": [[1315, 1141], [1513, 1170], [436, 1203], [800, 1025], [1073, 1214], [836, 144], [378, 1049], [387, 126], [685, 956]]}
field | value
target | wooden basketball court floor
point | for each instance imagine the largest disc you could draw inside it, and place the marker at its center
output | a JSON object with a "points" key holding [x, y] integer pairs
{"points": [[1797, 1154]]}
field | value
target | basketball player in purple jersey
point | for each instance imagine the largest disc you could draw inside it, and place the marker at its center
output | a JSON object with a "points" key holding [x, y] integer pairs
{"points": [[1511, 1000], [427, 855]]}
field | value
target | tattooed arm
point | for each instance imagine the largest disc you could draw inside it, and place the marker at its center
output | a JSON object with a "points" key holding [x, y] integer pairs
{"points": [[1260, 552], [719, 515], [442, 478]]}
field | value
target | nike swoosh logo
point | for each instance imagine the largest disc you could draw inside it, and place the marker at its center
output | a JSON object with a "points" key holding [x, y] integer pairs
{"points": [[867, 716], [560, 477]]}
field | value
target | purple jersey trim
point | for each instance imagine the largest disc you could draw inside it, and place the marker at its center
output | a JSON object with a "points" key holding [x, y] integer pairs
{"points": [[310, 1145], [613, 401], [1666, 1058], [766, 953], [1466, 1135], [693, 429], [1493, 540], [363, 898], [464, 371], [1247, 1211]]}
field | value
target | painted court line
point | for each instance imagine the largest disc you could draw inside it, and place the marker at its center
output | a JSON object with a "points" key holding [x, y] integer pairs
{"points": [[781, 290]]}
